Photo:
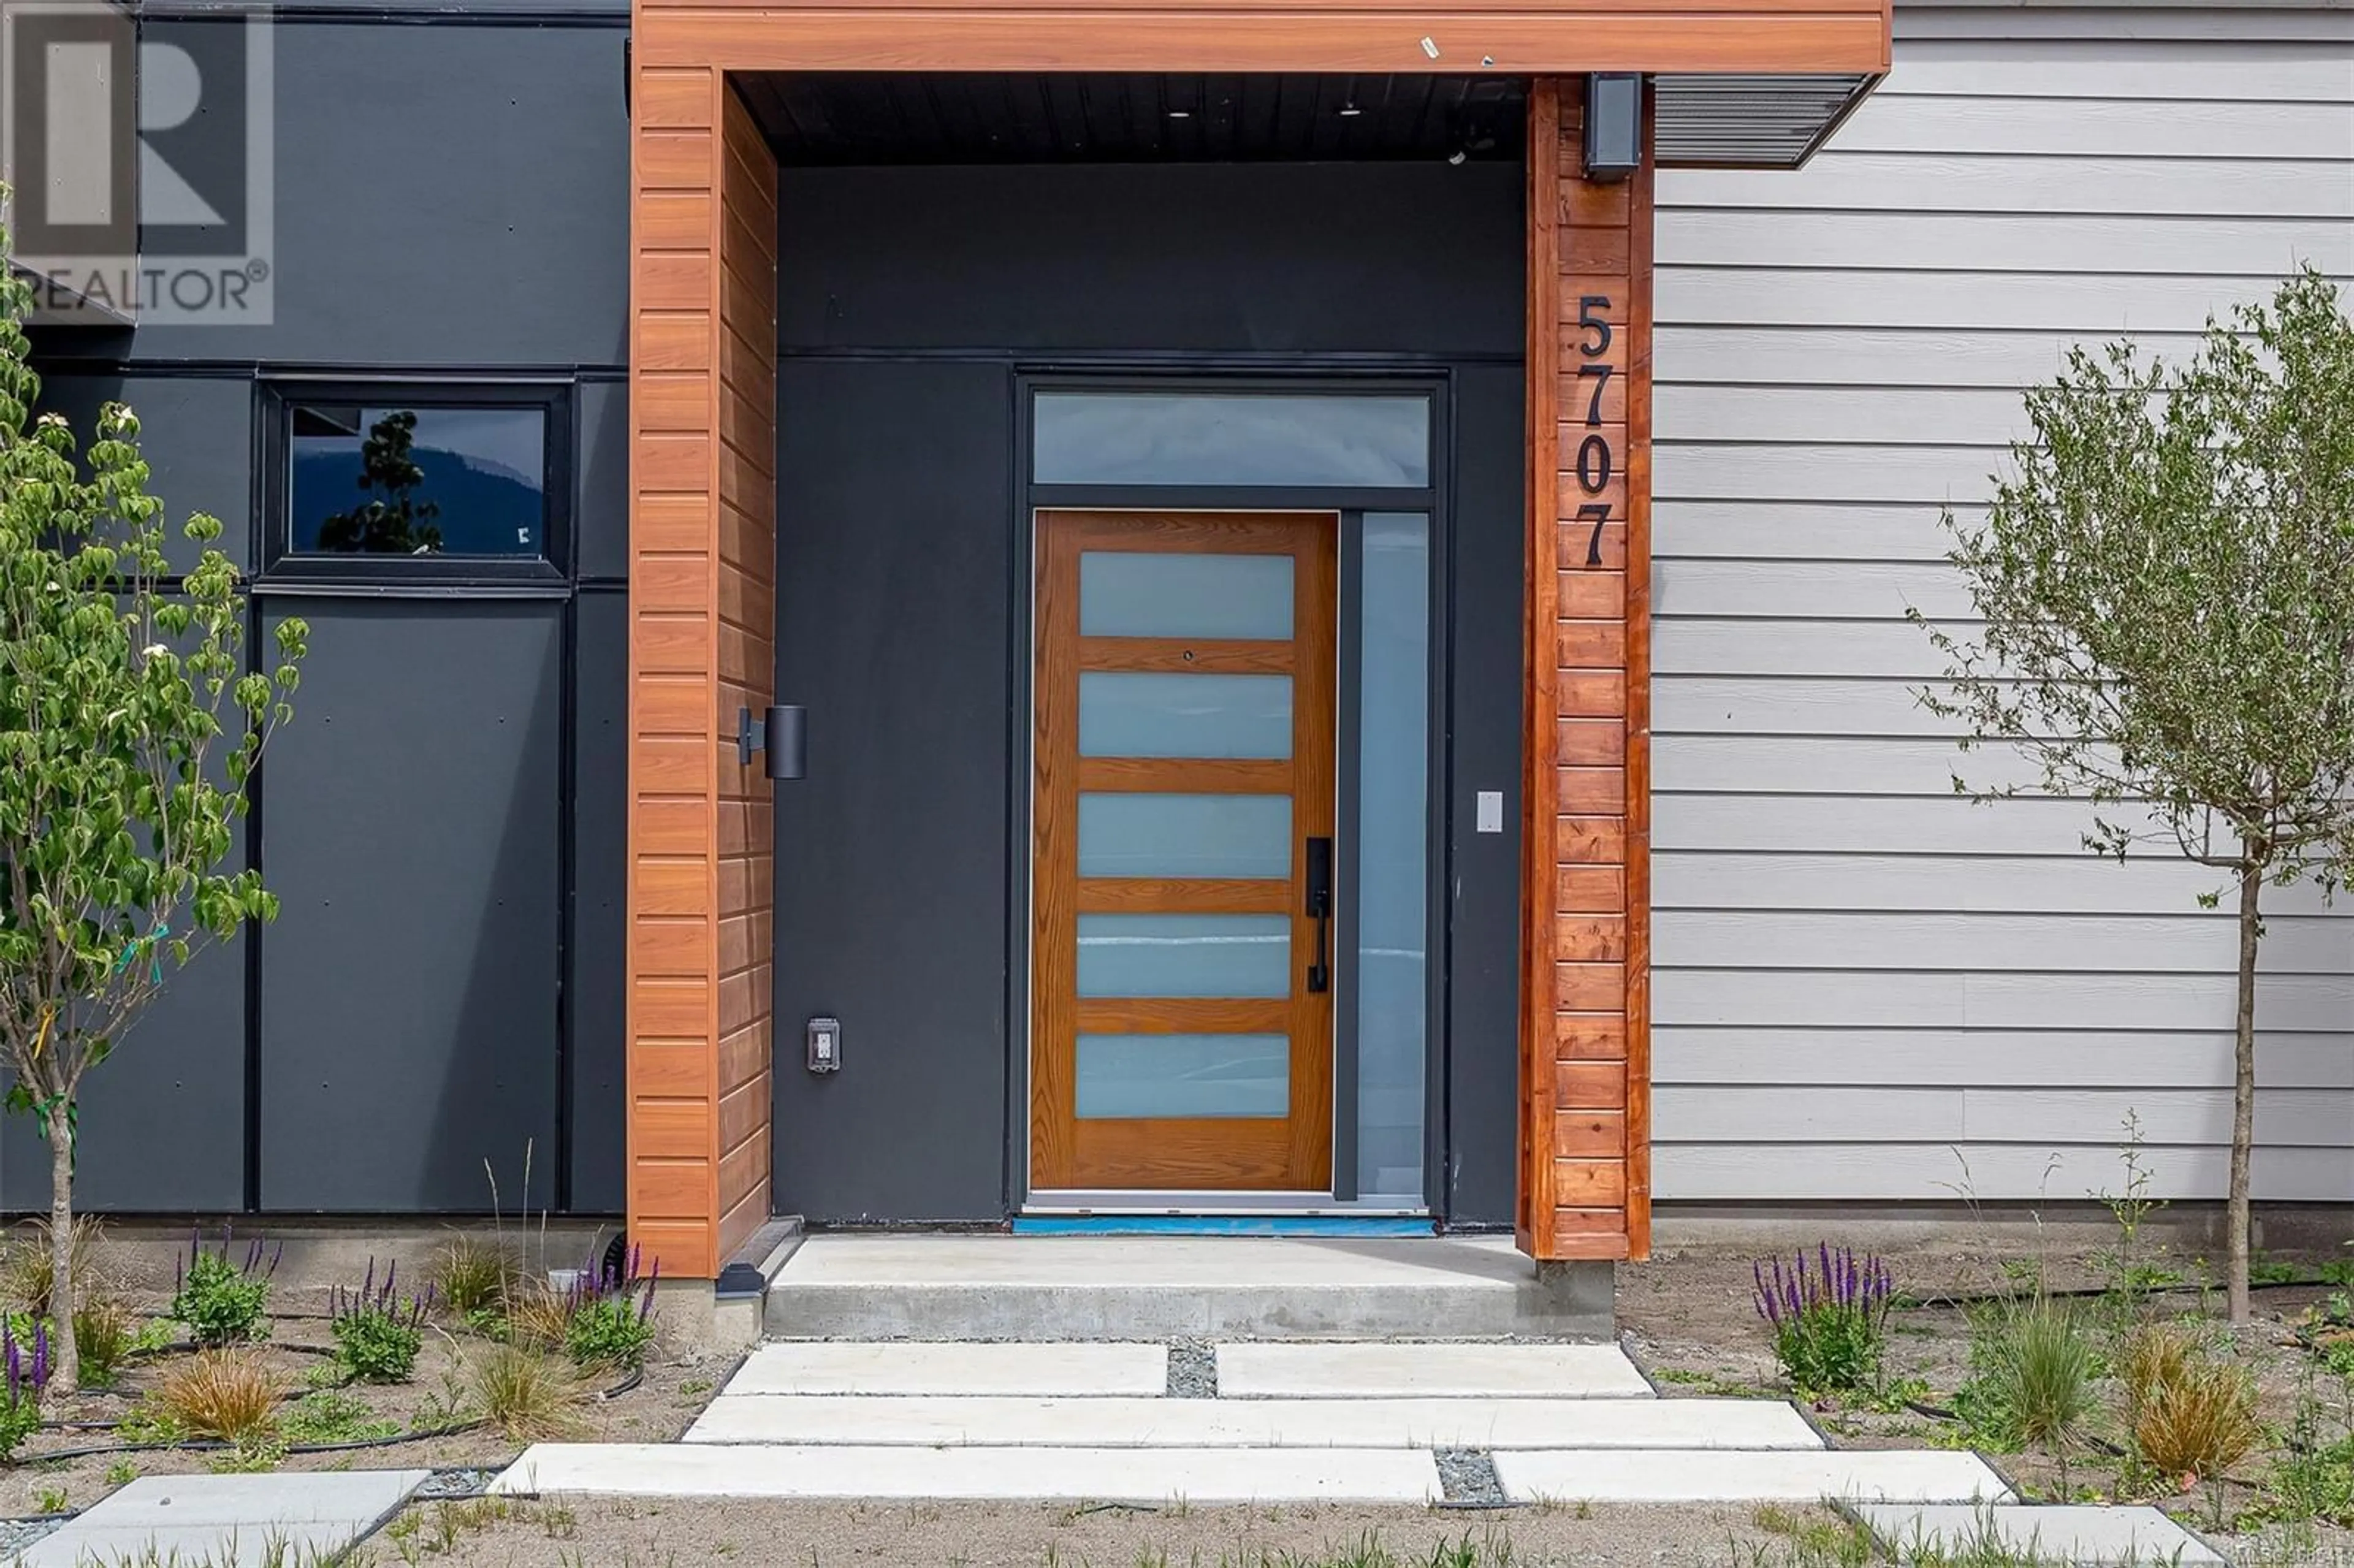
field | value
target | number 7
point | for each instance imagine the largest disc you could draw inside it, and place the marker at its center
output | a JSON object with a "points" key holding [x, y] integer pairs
{"points": [[1602, 374], [1600, 511]]}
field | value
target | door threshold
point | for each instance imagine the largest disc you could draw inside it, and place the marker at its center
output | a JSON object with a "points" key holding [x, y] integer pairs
{"points": [[1072, 1204], [1230, 1224]]}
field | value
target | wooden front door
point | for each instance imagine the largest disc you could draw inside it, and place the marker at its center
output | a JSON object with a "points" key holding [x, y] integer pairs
{"points": [[1182, 965]]}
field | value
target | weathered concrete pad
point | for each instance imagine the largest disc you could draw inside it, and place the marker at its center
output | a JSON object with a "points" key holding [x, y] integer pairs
{"points": [[241, 1521], [1446, 1371], [1256, 1422], [1658, 1475], [953, 1369], [2108, 1536], [943, 1287], [1102, 1475]]}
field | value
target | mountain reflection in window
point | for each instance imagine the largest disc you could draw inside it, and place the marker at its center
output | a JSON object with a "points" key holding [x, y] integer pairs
{"points": [[449, 480]]}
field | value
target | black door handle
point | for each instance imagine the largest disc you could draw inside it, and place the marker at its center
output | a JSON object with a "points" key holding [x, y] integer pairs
{"points": [[1319, 908]]}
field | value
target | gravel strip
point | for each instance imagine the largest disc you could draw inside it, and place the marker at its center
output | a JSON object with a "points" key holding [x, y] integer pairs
{"points": [[461, 1482], [1192, 1370], [16, 1534], [1468, 1477]]}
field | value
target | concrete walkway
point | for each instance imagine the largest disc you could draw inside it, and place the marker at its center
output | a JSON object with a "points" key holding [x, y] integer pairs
{"points": [[226, 1521], [1357, 1422]]}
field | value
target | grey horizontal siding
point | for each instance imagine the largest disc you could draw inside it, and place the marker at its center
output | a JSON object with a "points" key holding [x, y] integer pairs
{"points": [[1866, 987]]}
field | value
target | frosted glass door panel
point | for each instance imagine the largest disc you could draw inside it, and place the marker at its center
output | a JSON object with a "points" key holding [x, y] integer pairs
{"points": [[1157, 1075], [1126, 713], [1138, 593], [1184, 954], [1393, 888], [1246, 836]]}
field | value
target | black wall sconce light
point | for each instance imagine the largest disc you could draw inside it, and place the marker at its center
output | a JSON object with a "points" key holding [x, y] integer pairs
{"points": [[781, 734], [1613, 125]]}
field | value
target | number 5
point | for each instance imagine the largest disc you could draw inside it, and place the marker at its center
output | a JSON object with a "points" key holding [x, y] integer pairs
{"points": [[1599, 343]]}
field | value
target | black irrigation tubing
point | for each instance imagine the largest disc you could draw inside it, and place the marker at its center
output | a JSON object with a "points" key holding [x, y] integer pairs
{"points": [[1939, 1412], [636, 1377], [214, 1445], [1986, 1297]]}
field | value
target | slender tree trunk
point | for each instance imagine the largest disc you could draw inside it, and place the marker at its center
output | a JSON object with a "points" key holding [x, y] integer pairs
{"points": [[2243, 1090], [65, 1356]]}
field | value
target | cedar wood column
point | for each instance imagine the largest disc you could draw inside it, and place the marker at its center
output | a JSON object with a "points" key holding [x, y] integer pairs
{"points": [[703, 227], [1586, 1094]]}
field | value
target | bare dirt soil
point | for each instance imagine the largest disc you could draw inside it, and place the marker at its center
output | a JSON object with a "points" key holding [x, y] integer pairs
{"points": [[609, 1533]]}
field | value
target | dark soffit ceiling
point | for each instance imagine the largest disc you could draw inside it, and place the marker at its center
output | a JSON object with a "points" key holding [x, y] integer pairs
{"points": [[946, 117]]}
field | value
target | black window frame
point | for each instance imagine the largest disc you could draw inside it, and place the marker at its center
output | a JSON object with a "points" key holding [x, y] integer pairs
{"points": [[356, 572]]}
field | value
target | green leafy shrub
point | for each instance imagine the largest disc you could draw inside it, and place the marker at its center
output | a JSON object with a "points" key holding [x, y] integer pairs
{"points": [[1828, 1315], [330, 1415], [608, 1316], [24, 1374], [221, 1301], [377, 1330]]}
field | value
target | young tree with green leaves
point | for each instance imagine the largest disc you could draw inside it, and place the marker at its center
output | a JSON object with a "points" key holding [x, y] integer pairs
{"points": [[2167, 587], [129, 730]]}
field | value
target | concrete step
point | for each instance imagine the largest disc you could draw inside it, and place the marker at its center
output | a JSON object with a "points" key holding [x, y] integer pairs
{"points": [[1118, 1422], [1661, 1475], [867, 1368], [2110, 1537], [1097, 1475], [1363, 1371], [963, 1286]]}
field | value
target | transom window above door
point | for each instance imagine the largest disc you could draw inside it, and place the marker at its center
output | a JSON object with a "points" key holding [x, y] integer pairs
{"points": [[1357, 440]]}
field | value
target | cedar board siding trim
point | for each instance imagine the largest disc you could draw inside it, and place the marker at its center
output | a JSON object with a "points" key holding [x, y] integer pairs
{"points": [[700, 1041], [1585, 1057]]}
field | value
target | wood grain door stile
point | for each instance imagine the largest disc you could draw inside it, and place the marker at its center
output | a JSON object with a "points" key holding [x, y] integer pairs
{"points": [[1291, 1153]]}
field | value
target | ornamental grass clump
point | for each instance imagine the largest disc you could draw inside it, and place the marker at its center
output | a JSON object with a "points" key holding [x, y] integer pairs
{"points": [[222, 1301], [1827, 1313], [377, 1330], [231, 1395], [24, 1374]]}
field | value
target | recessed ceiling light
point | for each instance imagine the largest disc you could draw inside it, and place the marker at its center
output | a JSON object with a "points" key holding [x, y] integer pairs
{"points": [[1350, 112], [1181, 114]]}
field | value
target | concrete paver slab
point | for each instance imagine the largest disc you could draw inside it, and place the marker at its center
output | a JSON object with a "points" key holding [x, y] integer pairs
{"points": [[227, 1518], [1102, 1475], [1113, 1422], [2110, 1537], [1690, 1476], [1373, 1370], [903, 1368]]}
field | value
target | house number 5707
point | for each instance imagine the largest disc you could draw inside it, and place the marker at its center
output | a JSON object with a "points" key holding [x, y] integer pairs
{"points": [[1594, 459]]}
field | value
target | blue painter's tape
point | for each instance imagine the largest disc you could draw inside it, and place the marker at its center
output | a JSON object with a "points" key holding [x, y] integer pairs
{"points": [[1218, 1225]]}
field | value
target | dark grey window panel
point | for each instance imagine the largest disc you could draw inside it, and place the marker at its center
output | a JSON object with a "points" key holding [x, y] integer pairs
{"points": [[892, 872], [446, 195], [412, 826], [196, 435], [163, 1120], [596, 989], [601, 518]]}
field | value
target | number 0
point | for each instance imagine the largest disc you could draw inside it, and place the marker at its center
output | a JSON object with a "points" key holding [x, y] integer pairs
{"points": [[1593, 464]]}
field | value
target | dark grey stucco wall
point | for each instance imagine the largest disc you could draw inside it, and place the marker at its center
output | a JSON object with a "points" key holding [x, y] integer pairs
{"points": [[445, 979], [893, 620], [910, 298]]}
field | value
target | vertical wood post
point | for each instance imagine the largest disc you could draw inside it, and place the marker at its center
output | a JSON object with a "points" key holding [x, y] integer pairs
{"points": [[1585, 1136], [702, 554]]}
